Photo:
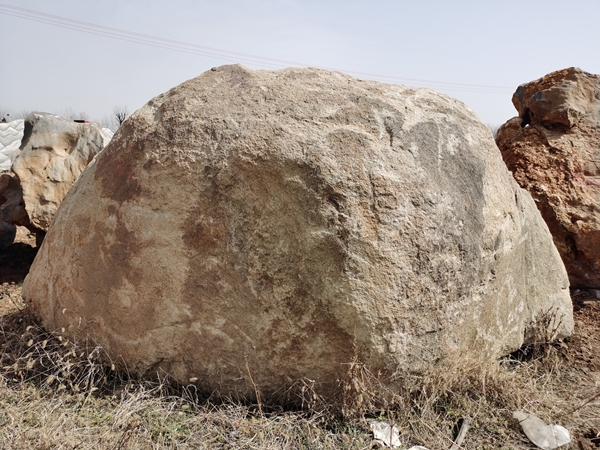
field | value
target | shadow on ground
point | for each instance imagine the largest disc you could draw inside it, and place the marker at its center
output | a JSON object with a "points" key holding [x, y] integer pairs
{"points": [[15, 262]]}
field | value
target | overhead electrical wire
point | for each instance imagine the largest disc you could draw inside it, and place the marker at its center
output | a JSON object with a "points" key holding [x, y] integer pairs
{"points": [[228, 55]]}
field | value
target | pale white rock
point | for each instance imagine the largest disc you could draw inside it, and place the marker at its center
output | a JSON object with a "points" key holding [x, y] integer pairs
{"points": [[252, 228], [108, 135], [53, 153]]}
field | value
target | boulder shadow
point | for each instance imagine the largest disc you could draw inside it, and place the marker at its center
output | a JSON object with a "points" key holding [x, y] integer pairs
{"points": [[15, 261]]}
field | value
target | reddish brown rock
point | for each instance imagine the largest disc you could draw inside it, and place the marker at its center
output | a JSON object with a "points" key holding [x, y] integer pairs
{"points": [[553, 151]]}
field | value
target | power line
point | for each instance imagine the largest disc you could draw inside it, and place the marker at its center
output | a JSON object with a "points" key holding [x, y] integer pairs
{"points": [[128, 39], [228, 55]]}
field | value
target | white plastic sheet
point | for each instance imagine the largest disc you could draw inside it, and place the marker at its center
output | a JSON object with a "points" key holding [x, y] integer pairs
{"points": [[547, 437], [385, 434]]}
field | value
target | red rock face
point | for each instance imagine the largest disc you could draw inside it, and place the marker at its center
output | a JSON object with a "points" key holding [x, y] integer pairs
{"points": [[553, 151]]}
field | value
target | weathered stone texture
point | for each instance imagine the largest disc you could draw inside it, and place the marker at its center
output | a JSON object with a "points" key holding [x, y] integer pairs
{"points": [[282, 224], [553, 150], [53, 153]]}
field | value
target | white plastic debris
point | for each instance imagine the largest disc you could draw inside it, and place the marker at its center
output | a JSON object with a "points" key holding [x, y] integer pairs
{"points": [[418, 447], [385, 434], [547, 437]]}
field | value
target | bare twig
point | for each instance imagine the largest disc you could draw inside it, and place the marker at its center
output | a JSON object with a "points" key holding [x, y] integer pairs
{"points": [[455, 446], [588, 401], [466, 424], [256, 390]]}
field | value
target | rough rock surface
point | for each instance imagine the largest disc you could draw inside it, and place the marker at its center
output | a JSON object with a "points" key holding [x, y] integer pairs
{"points": [[553, 150], [53, 153], [252, 228]]}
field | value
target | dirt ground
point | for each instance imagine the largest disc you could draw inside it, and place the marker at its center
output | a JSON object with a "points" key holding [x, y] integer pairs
{"points": [[584, 355], [560, 383]]}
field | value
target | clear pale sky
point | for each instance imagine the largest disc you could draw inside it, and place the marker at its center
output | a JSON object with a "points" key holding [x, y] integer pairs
{"points": [[505, 43]]}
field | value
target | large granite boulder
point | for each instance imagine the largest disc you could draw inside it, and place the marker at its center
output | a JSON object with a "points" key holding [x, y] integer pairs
{"points": [[252, 228], [52, 155], [553, 150]]}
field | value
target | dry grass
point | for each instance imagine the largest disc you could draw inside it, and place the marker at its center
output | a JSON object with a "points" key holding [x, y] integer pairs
{"points": [[57, 394]]}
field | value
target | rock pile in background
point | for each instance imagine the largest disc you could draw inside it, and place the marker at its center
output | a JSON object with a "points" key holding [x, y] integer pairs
{"points": [[248, 229], [553, 150], [52, 154]]}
